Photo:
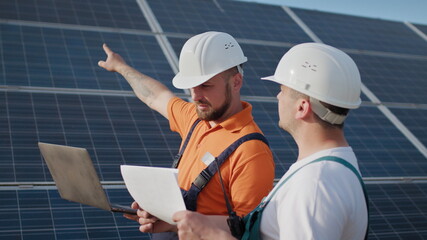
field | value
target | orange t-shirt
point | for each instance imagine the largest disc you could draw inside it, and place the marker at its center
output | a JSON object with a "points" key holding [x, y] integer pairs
{"points": [[248, 174]]}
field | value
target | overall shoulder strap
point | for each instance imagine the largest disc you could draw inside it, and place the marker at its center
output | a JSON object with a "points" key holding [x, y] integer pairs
{"points": [[190, 196], [184, 146], [354, 170], [205, 176]]}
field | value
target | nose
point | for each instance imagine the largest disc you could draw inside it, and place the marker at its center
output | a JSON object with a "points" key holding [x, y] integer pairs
{"points": [[196, 93]]}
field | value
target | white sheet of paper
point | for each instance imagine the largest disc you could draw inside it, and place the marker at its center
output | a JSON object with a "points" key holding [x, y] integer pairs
{"points": [[155, 189]]}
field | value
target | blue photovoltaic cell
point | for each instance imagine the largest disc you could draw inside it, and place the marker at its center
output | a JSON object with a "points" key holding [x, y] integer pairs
{"points": [[415, 120], [394, 79], [43, 57], [398, 211], [422, 28], [103, 13], [262, 62], [344, 31], [241, 20], [382, 150], [42, 214], [115, 130]]}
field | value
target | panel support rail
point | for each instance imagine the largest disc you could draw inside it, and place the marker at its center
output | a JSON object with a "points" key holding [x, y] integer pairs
{"points": [[4, 186]]}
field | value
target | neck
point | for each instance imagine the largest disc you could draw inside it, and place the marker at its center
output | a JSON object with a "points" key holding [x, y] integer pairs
{"points": [[310, 141]]}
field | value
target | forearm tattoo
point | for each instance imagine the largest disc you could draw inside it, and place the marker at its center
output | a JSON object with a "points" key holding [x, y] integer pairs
{"points": [[139, 83]]}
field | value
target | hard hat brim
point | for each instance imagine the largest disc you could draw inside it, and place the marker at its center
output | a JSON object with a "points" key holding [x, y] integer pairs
{"points": [[187, 82], [343, 105], [273, 79]]}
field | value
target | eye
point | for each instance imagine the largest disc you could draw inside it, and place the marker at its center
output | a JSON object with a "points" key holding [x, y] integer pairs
{"points": [[206, 85]]}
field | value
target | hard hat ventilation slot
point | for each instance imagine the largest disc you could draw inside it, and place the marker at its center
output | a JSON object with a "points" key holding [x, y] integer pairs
{"points": [[312, 67], [229, 45]]}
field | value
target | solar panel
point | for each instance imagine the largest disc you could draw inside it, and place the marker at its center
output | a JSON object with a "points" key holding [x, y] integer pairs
{"points": [[344, 31], [398, 211], [415, 120], [422, 28], [114, 129], [394, 79], [102, 13], [106, 126], [69, 58], [52, 90], [42, 214], [242, 20], [380, 147]]}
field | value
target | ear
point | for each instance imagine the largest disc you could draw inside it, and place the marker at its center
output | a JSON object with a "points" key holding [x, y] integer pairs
{"points": [[237, 82], [303, 108]]}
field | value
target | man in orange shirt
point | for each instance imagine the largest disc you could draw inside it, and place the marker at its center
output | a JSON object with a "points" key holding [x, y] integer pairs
{"points": [[210, 66]]}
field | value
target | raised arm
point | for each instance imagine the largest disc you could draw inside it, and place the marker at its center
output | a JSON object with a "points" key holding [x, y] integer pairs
{"points": [[150, 91]]}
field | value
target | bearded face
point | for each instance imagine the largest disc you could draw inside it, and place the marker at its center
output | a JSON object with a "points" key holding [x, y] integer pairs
{"points": [[206, 111]]}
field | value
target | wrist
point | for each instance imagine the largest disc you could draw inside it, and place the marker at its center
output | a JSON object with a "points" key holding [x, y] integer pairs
{"points": [[123, 68]]}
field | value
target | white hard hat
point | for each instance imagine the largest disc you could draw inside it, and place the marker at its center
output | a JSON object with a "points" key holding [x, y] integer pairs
{"points": [[204, 56], [321, 72]]}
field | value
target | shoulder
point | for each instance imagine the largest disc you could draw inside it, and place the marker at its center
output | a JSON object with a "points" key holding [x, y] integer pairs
{"points": [[181, 115], [177, 102], [254, 147], [323, 172], [322, 186]]}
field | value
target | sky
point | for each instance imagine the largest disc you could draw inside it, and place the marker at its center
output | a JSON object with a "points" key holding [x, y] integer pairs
{"points": [[414, 11]]}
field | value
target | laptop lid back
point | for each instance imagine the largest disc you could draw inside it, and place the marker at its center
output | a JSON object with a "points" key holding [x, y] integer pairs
{"points": [[74, 174]]}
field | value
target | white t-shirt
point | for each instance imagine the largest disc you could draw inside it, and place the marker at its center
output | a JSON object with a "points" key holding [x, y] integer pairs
{"points": [[324, 200]]}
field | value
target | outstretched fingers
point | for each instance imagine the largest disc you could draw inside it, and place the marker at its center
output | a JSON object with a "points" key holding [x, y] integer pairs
{"points": [[107, 50], [113, 62]]}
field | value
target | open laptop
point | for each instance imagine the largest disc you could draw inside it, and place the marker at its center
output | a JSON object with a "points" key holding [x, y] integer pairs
{"points": [[75, 177]]}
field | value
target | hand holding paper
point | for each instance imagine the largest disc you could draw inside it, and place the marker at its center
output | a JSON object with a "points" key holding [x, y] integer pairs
{"points": [[155, 190]]}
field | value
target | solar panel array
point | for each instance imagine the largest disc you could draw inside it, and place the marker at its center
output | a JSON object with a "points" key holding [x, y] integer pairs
{"points": [[52, 90], [422, 28]]}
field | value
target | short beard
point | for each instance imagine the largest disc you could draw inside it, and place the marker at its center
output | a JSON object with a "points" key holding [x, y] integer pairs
{"points": [[215, 114]]}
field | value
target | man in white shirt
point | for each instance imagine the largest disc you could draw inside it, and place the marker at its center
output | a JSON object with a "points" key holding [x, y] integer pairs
{"points": [[322, 195]]}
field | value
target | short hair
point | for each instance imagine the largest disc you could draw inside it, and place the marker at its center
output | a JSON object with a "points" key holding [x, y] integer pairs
{"points": [[231, 72], [338, 110]]}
